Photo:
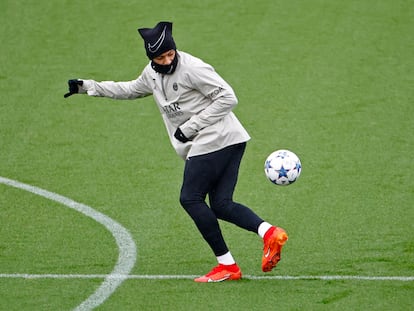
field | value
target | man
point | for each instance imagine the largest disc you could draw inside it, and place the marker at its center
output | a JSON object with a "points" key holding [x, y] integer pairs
{"points": [[196, 105]]}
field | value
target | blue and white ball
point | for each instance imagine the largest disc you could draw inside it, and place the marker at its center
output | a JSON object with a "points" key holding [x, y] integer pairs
{"points": [[282, 167]]}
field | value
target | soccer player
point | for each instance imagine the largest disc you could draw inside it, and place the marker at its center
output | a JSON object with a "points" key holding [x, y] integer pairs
{"points": [[196, 106]]}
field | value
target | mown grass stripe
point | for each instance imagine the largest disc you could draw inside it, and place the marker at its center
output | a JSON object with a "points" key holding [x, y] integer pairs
{"points": [[185, 277]]}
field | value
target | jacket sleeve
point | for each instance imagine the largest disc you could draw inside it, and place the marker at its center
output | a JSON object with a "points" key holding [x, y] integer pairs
{"points": [[218, 92], [118, 90]]}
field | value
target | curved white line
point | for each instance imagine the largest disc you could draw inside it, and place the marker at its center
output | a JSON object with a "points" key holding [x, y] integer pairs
{"points": [[126, 245]]}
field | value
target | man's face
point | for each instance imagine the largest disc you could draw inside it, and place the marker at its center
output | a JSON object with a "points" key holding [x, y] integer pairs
{"points": [[165, 58]]}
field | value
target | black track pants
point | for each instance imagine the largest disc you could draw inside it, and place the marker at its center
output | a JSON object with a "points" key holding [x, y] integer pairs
{"points": [[216, 174]]}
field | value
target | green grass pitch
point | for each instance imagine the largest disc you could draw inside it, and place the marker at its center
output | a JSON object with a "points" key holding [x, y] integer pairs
{"points": [[330, 80]]}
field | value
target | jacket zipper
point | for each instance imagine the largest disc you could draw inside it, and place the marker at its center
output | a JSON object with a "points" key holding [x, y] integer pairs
{"points": [[163, 89]]}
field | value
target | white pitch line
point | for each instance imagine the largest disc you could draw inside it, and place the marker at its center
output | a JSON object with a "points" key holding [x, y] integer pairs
{"points": [[190, 277], [126, 245]]}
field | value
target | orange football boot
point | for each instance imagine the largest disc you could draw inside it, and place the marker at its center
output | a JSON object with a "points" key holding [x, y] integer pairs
{"points": [[221, 273], [273, 240]]}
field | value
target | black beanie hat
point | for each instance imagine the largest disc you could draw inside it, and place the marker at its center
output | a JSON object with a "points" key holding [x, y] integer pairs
{"points": [[157, 40]]}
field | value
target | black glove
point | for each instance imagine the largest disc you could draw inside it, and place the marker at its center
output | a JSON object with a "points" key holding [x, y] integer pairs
{"points": [[180, 136], [73, 87]]}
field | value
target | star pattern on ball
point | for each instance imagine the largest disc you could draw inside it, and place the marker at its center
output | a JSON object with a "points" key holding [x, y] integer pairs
{"points": [[283, 172], [282, 167]]}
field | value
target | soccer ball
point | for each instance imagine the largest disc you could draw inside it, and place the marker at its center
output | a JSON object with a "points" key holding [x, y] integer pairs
{"points": [[282, 167]]}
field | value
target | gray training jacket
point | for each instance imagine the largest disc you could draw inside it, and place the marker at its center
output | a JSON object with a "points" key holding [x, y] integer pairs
{"points": [[194, 98]]}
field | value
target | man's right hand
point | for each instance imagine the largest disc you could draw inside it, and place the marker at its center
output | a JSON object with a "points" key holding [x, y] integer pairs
{"points": [[73, 87], [179, 135]]}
